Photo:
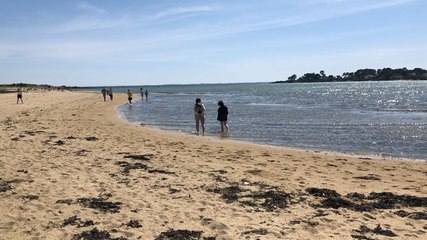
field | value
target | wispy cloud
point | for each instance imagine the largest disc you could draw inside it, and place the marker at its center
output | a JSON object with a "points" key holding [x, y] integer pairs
{"points": [[155, 43], [317, 15], [330, 2], [64, 50], [85, 23], [179, 11], [90, 7]]}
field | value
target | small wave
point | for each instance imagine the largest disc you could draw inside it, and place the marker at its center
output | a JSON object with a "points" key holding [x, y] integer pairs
{"points": [[267, 104], [404, 110]]}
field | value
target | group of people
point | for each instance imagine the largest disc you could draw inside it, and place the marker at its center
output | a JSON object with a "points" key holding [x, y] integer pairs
{"points": [[129, 93], [199, 115], [106, 92], [109, 92], [199, 109], [144, 93]]}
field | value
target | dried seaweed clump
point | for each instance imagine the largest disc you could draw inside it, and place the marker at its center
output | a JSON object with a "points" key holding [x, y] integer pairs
{"points": [[134, 224], [130, 166], [100, 204], [413, 215], [378, 230], [360, 202], [144, 157], [182, 235], [95, 234], [76, 221], [5, 186], [267, 198]]}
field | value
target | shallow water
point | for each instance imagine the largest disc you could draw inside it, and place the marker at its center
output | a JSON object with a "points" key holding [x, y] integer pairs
{"points": [[374, 118]]}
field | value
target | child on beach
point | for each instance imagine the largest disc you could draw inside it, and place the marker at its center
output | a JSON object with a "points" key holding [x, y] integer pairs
{"points": [[129, 97], [222, 115], [199, 115], [19, 96]]}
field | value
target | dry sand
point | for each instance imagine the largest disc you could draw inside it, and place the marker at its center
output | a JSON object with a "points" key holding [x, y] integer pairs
{"points": [[71, 169]]}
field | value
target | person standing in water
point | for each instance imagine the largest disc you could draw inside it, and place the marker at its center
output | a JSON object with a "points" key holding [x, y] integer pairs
{"points": [[222, 115], [129, 97], [199, 115], [19, 96], [142, 93], [146, 94]]}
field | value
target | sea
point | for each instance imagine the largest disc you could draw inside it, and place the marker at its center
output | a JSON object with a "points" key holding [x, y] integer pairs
{"points": [[382, 119]]}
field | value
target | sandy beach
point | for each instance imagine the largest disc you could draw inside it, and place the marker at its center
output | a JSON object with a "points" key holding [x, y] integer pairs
{"points": [[71, 169]]}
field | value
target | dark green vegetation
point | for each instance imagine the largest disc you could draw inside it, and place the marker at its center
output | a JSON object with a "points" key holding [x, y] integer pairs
{"points": [[24, 85], [385, 74], [8, 88]]}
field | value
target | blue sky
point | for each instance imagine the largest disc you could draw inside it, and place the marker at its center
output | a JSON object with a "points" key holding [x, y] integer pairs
{"points": [[141, 42]]}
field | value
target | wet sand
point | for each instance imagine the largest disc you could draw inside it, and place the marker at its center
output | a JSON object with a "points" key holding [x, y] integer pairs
{"points": [[71, 169]]}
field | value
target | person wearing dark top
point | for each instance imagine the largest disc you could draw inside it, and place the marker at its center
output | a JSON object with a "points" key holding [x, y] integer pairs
{"points": [[104, 93], [199, 115], [110, 93], [222, 115], [19, 96]]}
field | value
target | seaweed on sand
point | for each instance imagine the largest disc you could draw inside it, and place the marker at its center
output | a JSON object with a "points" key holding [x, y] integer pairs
{"points": [[378, 230], [271, 199], [91, 138], [180, 235], [369, 177], [100, 204], [95, 234], [261, 231], [76, 221], [323, 192], [267, 197], [5, 186], [64, 201], [413, 215], [162, 171], [229, 194], [130, 166], [134, 224], [144, 157], [30, 197], [360, 202]]}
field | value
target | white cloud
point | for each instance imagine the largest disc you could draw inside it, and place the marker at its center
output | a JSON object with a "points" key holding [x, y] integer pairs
{"points": [[66, 50], [90, 24], [90, 7], [184, 11]]}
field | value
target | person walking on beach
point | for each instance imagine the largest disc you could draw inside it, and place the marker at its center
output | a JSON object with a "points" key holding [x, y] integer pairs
{"points": [[199, 115], [104, 93], [222, 115], [146, 94], [110, 93], [129, 97], [19, 96], [142, 93]]}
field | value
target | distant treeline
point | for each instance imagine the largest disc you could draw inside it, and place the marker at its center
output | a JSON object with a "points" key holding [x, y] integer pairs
{"points": [[385, 74], [31, 85], [25, 85], [9, 88]]}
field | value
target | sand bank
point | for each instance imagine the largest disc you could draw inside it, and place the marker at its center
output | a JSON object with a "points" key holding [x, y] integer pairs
{"points": [[70, 168]]}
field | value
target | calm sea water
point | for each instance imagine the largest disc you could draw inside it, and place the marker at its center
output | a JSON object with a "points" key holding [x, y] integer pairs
{"points": [[373, 118]]}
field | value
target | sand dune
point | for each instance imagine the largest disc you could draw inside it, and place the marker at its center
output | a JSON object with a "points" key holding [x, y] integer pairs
{"points": [[71, 169]]}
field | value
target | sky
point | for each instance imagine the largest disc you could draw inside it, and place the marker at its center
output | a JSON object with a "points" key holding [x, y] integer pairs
{"points": [[153, 42]]}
